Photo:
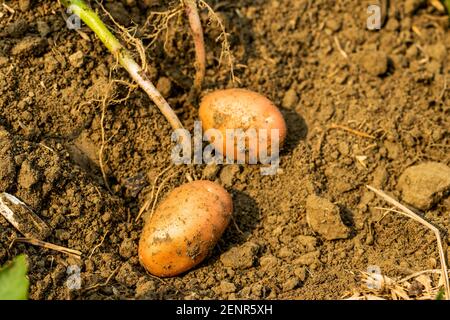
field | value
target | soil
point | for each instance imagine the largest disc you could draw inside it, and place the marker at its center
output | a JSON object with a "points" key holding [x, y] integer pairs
{"points": [[315, 59]]}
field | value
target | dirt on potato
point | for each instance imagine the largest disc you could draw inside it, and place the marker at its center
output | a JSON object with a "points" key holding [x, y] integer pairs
{"points": [[361, 107]]}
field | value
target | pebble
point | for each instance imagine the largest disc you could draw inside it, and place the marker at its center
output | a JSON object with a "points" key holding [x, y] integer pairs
{"points": [[3, 61], [126, 275], [308, 258], [210, 171], [17, 29], [28, 176], [226, 287], [375, 62], [333, 24], [300, 272], [308, 242], [324, 218], [144, 288], [437, 52], [268, 262], [24, 5], [242, 257], [228, 174], [393, 149], [76, 59], [290, 284], [290, 99], [424, 185], [285, 253], [43, 28], [127, 248], [164, 86], [380, 177]]}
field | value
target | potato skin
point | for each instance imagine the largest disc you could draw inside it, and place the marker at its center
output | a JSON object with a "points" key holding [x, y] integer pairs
{"points": [[241, 109], [184, 228]]}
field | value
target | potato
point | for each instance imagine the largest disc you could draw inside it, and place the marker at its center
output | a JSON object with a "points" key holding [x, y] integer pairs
{"points": [[184, 228], [241, 109]]}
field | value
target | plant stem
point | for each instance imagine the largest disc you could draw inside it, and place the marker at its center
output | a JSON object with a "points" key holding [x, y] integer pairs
{"points": [[123, 56], [447, 4], [199, 42]]}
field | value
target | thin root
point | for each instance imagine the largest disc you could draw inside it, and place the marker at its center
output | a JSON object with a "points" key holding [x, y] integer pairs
{"points": [[150, 199], [39, 243], [352, 131]]}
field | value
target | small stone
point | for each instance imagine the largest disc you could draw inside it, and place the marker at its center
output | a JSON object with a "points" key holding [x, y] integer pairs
{"points": [[106, 217], [285, 253], [308, 258], [393, 149], [290, 284], [308, 242], [380, 177], [242, 257], [144, 289], [333, 24], [268, 262], [226, 287], [290, 99], [392, 24], [50, 64], [411, 6], [43, 28], [3, 61], [17, 29], [424, 185], [437, 52], [300, 272], [324, 218], [127, 249], [126, 275], [28, 176], [343, 148], [24, 5], [164, 86], [434, 67], [228, 174], [76, 59], [375, 62], [210, 171], [30, 45]]}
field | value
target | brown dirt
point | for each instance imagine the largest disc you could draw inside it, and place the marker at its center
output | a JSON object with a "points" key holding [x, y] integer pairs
{"points": [[392, 85]]}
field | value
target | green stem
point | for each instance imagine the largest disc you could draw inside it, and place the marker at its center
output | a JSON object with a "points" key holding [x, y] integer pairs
{"points": [[91, 19]]}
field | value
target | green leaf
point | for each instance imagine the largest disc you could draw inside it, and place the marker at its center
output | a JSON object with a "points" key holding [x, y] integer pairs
{"points": [[441, 294], [14, 282], [447, 4]]}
